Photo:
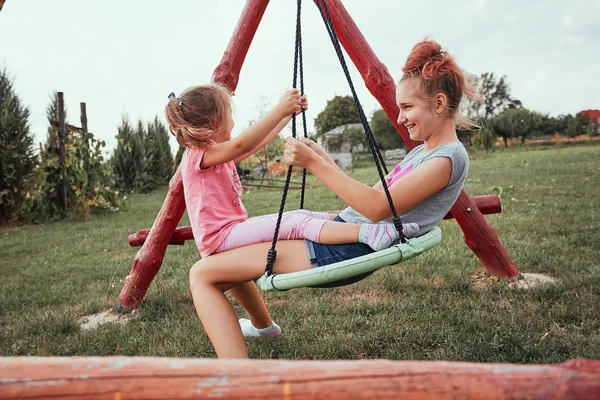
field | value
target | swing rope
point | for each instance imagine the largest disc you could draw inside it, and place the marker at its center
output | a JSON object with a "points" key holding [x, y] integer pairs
{"points": [[272, 255], [377, 157]]}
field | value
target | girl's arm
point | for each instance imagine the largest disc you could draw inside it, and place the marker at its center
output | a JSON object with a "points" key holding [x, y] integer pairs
{"points": [[249, 139], [412, 189], [267, 139]]}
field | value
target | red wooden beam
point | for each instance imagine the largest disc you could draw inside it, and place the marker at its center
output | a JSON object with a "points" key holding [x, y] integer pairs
{"points": [[172, 378], [488, 204], [149, 259], [479, 235]]}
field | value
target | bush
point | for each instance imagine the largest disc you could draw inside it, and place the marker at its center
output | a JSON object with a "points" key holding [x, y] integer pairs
{"points": [[483, 139], [90, 184]]}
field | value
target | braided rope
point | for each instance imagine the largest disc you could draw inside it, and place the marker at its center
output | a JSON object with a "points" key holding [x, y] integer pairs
{"points": [[272, 255], [322, 5]]}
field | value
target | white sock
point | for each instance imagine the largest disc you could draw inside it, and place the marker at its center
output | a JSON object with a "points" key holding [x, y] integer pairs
{"points": [[248, 330], [381, 236]]}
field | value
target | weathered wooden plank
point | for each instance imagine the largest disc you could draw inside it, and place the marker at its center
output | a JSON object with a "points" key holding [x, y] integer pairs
{"points": [[152, 378]]}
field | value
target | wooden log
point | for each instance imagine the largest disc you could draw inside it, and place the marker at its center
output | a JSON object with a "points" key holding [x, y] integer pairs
{"points": [[172, 378], [375, 74], [149, 259], [488, 204], [479, 235], [227, 72], [60, 138]]}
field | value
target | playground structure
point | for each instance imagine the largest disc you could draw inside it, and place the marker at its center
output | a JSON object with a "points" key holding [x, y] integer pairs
{"points": [[479, 235], [144, 377]]}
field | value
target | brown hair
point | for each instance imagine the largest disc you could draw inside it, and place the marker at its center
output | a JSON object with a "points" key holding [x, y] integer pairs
{"points": [[435, 71], [199, 114]]}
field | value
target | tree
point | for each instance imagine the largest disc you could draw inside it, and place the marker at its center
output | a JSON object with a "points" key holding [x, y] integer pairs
{"points": [[159, 159], [17, 158], [128, 159], [385, 133], [496, 97], [339, 111], [517, 122]]}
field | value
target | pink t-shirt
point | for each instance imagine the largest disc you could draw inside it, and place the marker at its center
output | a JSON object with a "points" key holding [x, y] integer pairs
{"points": [[213, 200]]}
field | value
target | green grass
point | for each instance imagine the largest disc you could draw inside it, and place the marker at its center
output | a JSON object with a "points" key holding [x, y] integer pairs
{"points": [[427, 308]]}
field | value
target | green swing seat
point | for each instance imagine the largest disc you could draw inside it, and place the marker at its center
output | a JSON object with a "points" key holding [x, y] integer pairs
{"points": [[349, 271]]}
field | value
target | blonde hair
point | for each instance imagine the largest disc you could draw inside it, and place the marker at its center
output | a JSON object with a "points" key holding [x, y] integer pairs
{"points": [[435, 71], [199, 114]]}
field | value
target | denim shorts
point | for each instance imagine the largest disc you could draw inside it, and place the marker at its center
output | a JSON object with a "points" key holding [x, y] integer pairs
{"points": [[325, 254]]}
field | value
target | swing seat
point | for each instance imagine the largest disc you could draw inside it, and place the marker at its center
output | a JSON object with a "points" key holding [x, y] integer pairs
{"points": [[350, 271]]}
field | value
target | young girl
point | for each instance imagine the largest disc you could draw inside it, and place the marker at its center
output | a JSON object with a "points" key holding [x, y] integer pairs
{"points": [[201, 121], [428, 96]]}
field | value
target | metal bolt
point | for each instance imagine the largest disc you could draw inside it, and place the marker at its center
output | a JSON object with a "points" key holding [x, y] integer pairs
{"points": [[468, 209]]}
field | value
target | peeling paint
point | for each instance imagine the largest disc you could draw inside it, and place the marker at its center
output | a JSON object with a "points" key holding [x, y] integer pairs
{"points": [[117, 363], [46, 383], [176, 365]]}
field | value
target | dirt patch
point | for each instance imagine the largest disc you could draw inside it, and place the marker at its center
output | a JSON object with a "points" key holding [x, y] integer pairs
{"points": [[10, 225], [93, 321], [482, 280]]}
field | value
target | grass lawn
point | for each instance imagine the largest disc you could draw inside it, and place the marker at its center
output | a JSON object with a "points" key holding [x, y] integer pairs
{"points": [[427, 308]]}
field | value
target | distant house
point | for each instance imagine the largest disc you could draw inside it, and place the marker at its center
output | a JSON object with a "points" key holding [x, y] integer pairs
{"points": [[592, 114], [336, 143], [333, 140]]}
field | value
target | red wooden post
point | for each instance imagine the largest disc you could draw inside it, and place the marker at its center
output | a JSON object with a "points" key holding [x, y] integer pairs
{"points": [[148, 260], [177, 378], [479, 235]]}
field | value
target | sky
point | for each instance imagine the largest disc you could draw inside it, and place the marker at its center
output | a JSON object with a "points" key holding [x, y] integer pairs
{"points": [[123, 58]]}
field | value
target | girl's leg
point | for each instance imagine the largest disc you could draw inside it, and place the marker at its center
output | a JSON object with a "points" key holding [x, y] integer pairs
{"points": [[251, 301], [260, 322], [297, 225], [212, 276], [308, 213]]}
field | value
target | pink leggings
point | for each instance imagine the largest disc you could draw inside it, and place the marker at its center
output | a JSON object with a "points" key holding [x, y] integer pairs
{"points": [[298, 224]]}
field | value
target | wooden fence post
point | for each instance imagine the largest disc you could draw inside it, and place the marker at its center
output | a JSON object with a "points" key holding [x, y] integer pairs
{"points": [[84, 121], [60, 137]]}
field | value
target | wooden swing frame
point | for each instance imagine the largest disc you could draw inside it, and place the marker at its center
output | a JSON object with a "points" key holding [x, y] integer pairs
{"points": [[480, 237]]}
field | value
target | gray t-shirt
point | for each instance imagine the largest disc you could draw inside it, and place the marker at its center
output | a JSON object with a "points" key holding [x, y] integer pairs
{"points": [[430, 212]]}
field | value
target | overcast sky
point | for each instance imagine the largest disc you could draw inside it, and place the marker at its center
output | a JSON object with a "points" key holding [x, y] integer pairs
{"points": [[125, 57]]}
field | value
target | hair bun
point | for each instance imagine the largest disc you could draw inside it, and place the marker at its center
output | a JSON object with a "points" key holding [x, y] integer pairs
{"points": [[428, 58]]}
